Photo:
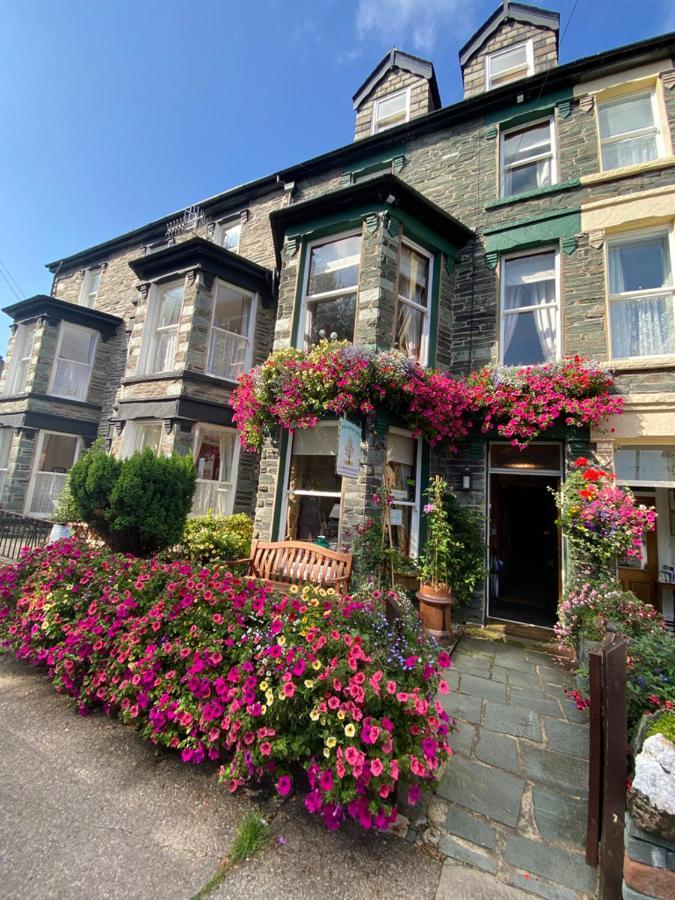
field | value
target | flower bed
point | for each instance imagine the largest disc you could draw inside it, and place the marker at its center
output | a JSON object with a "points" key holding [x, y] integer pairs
{"points": [[294, 389], [223, 669]]}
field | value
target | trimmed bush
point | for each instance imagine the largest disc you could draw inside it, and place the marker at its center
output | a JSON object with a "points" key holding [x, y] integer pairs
{"points": [[138, 505], [225, 669], [210, 538]]}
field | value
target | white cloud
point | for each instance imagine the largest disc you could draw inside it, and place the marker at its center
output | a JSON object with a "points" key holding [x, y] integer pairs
{"points": [[416, 21]]}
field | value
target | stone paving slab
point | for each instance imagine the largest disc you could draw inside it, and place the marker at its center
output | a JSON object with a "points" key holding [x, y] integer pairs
{"points": [[461, 883], [515, 791]]}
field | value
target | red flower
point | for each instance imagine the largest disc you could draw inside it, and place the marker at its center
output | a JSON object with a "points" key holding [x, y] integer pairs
{"points": [[581, 462]]}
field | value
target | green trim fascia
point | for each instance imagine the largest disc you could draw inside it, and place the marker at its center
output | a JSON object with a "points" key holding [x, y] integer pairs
{"points": [[521, 113], [534, 194], [421, 234], [279, 493], [297, 300], [374, 163], [535, 230]]}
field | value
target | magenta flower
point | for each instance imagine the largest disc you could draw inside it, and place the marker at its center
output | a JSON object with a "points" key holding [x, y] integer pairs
{"points": [[284, 785]]}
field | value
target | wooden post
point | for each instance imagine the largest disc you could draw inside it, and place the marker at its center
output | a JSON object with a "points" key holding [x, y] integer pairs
{"points": [[614, 781], [595, 760]]}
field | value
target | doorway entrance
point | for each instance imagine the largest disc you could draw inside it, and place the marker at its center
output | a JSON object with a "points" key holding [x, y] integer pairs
{"points": [[525, 551]]}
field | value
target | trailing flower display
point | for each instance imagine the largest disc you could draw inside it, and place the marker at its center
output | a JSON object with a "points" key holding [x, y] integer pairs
{"points": [[223, 669], [295, 389], [600, 520]]}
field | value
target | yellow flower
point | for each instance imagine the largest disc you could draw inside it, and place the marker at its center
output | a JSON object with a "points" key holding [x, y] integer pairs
{"points": [[293, 589], [281, 640], [316, 664], [326, 752], [309, 683], [330, 591], [350, 731], [341, 714], [264, 709], [314, 716], [269, 696], [313, 602], [322, 592], [282, 696], [264, 686], [331, 741]]}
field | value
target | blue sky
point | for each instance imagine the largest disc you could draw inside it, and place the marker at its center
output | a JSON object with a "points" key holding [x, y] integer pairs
{"points": [[116, 113]]}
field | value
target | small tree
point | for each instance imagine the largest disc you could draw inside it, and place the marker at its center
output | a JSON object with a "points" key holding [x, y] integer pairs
{"points": [[138, 505]]}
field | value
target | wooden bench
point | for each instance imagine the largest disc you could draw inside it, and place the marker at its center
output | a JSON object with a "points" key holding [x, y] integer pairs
{"points": [[283, 563]]}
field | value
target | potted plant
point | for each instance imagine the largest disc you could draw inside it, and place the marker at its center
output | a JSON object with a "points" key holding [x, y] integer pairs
{"points": [[435, 595]]}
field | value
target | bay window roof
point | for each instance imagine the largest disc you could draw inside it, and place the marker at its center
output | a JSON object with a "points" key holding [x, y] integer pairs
{"points": [[209, 257], [42, 305]]}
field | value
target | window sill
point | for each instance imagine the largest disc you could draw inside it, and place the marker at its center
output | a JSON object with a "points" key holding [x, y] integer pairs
{"points": [[654, 165], [642, 363], [560, 187]]}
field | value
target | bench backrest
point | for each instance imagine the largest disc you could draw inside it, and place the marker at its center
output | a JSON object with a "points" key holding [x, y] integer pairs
{"points": [[297, 562]]}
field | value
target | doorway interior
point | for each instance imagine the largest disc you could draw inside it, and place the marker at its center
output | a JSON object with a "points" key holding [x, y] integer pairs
{"points": [[525, 547]]}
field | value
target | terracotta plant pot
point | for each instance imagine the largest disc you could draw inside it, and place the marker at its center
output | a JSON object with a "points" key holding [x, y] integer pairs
{"points": [[407, 581], [436, 611]]}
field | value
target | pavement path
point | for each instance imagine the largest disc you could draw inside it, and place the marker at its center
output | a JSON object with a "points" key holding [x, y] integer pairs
{"points": [[513, 800]]}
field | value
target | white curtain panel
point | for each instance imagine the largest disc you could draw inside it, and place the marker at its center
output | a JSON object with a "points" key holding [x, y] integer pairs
{"points": [[530, 282]]}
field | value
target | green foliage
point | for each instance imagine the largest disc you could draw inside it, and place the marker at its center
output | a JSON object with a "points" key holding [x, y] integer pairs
{"points": [[91, 481], [665, 725], [466, 567], [150, 501], [651, 674], [65, 509], [441, 546], [211, 538], [138, 505], [251, 837]]}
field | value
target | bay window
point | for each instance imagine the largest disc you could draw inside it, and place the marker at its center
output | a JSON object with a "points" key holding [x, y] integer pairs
{"points": [[55, 456], [313, 489], [394, 109], [230, 339], [529, 309], [402, 482], [412, 314], [331, 290], [527, 158], [641, 295], [163, 321], [215, 461], [17, 374], [74, 361], [509, 64], [629, 130]]}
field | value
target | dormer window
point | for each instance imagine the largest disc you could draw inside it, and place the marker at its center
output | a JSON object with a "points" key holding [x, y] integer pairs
{"points": [[510, 64], [392, 110]]}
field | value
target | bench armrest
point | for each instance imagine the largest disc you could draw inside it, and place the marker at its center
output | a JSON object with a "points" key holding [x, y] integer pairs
{"points": [[238, 562]]}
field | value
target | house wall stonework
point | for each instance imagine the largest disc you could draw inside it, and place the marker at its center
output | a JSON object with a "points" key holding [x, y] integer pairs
{"points": [[395, 80]]}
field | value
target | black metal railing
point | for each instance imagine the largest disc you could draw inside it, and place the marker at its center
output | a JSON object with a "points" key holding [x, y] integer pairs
{"points": [[18, 531]]}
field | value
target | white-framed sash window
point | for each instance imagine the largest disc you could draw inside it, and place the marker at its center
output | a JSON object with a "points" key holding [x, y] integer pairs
{"points": [[530, 308], [394, 109], [509, 64], [330, 290], [228, 234], [216, 455], [402, 478], [412, 311], [161, 337], [528, 158], [90, 285], [138, 436], [231, 333], [6, 435], [641, 294], [630, 131], [17, 373], [75, 353], [55, 455], [313, 491]]}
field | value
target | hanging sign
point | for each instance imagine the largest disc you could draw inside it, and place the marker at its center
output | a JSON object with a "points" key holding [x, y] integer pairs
{"points": [[349, 449]]}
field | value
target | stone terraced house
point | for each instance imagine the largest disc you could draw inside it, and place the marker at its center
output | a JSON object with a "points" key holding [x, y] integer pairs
{"points": [[529, 221]]}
